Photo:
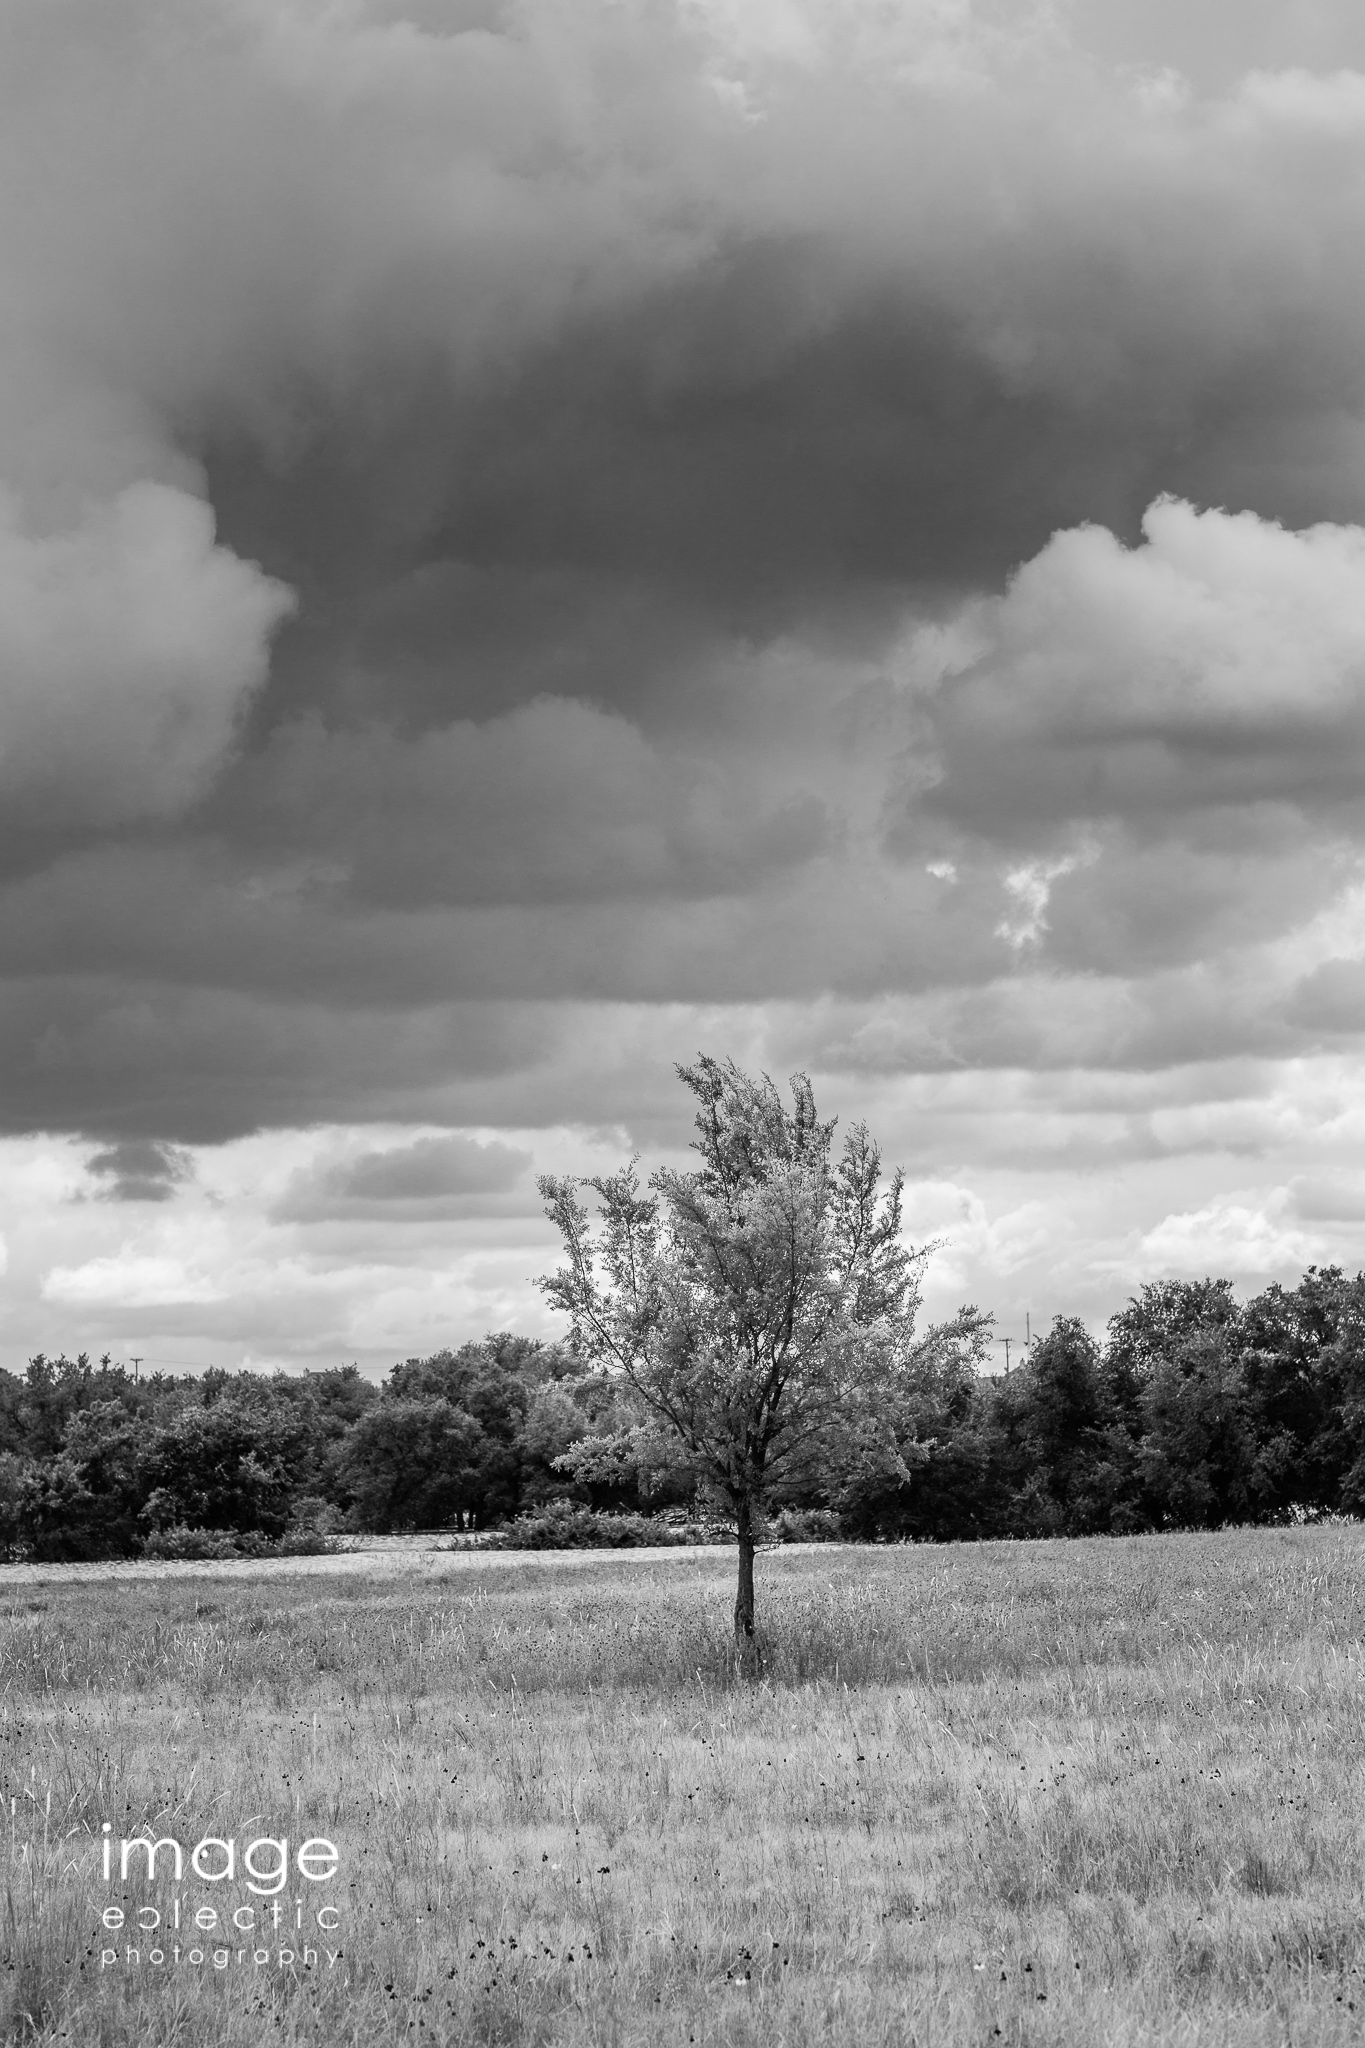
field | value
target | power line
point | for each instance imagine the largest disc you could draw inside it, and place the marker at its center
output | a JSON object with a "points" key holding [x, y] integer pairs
{"points": [[176, 1364], [1027, 1344]]}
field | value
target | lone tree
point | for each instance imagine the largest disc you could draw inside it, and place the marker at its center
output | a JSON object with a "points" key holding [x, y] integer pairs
{"points": [[762, 1307]]}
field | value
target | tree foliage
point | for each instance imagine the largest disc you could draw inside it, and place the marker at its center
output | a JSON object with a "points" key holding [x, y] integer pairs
{"points": [[761, 1306], [1195, 1409]]}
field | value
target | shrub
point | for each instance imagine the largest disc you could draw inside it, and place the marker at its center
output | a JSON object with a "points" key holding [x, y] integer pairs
{"points": [[179, 1542], [697, 1524], [567, 1525], [198, 1545], [303, 1541], [805, 1525], [311, 1512]]}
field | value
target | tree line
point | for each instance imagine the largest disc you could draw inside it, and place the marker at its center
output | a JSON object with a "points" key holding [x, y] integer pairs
{"points": [[742, 1338], [762, 1309], [1195, 1410]]}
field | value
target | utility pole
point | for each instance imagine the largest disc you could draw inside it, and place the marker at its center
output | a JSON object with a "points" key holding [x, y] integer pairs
{"points": [[1006, 1341], [136, 1363]]}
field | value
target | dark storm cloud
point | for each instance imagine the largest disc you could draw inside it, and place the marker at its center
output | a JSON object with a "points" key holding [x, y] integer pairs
{"points": [[139, 1170], [201, 1065], [550, 802], [485, 484], [810, 345], [432, 1176]]}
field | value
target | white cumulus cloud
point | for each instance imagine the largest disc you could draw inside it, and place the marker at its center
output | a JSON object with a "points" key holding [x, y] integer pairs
{"points": [[129, 646], [1221, 661], [134, 1280]]}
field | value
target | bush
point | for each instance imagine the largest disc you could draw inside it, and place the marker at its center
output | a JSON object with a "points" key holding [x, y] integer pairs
{"points": [[303, 1541], [199, 1545], [567, 1525], [179, 1542], [805, 1525], [697, 1524], [313, 1513]]}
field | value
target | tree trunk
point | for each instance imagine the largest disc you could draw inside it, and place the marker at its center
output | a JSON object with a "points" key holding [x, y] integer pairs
{"points": [[744, 1597]]}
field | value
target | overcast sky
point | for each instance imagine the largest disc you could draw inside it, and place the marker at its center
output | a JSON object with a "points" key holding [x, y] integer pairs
{"points": [[538, 539]]}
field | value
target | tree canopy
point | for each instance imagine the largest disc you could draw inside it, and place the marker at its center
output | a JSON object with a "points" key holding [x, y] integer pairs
{"points": [[761, 1306]]}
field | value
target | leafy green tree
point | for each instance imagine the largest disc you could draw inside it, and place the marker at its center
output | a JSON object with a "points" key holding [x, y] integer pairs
{"points": [[84, 1501], [226, 1465], [940, 1403], [322, 1406], [14, 1473], [1303, 1377], [55, 1389], [414, 1463], [627, 1460], [57, 1514], [1157, 1321], [12, 1434], [1171, 1369], [1197, 1451], [1069, 1458], [760, 1307], [493, 1393], [553, 1424]]}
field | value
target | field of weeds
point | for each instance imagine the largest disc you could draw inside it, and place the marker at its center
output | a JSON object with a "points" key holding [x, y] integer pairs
{"points": [[1092, 1792]]}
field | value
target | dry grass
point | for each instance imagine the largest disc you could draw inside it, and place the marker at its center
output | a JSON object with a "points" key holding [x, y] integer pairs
{"points": [[1099, 1792]]}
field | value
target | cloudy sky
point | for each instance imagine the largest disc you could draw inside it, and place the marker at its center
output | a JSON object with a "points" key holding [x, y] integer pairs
{"points": [[539, 539]]}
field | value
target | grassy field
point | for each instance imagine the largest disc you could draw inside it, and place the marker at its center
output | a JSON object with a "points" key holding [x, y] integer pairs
{"points": [[1094, 1792]]}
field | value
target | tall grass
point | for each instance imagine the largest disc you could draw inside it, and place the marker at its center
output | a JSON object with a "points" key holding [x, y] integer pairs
{"points": [[1089, 1792], [856, 1617]]}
